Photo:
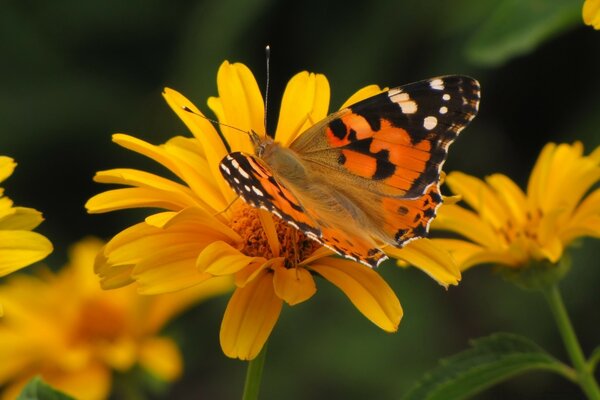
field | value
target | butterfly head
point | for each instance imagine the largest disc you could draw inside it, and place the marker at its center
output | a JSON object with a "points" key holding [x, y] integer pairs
{"points": [[260, 143]]}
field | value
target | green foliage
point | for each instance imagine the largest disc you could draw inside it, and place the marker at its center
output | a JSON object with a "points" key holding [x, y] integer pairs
{"points": [[490, 360], [516, 27], [37, 389]]}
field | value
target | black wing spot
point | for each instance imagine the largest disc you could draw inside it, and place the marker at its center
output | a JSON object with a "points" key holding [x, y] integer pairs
{"points": [[338, 128]]}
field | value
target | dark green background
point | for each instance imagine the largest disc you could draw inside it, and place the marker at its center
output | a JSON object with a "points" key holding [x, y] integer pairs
{"points": [[73, 72]]}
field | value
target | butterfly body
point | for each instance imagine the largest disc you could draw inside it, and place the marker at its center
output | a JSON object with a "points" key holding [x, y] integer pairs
{"points": [[365, 176]]}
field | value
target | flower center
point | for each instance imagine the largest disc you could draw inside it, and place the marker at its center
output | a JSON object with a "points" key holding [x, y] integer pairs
{"points": [[295, 246]]}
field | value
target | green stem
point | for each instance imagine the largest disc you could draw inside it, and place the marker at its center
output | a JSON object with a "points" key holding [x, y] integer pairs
{"points": [[254, 374], [584, 374]]}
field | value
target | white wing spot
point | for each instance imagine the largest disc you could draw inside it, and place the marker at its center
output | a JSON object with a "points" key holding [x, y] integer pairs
{"points": [[407, 105], [437, 84], [235, 164], [446, 97], [443, 110], [247, 188], [430, 122], [295, 225], [257, 191], [224, 168], [243, 173], [276, 213], [236, 180]]}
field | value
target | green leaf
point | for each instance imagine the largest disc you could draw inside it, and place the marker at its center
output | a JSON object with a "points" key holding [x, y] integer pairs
{"points": [[37, 389], [517, 27], [490, 360], [594, 359]]}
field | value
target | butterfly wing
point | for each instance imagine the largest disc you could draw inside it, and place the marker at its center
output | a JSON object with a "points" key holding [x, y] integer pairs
{"points": [[386, 152], [396, 142], [314, 213]]}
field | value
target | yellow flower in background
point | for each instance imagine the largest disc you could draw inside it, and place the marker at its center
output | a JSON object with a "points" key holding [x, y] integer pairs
{"points": [[204, 234], [19, 246], [65, 328], [506, 226], [591, 13]]}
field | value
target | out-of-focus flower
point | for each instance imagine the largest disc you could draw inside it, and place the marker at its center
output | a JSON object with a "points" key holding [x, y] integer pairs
{"points": [[591, 13], [65, 328], [204, 234], [19, 246], [506, 226]]}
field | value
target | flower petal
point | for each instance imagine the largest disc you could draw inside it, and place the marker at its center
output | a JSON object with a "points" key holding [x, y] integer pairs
{"points": [[513, 197], [430, 258], [454, 218], [219, 258], [203, 130], [479, 196], [161, 357], [305, 102], [293, 285], [240, 104], [21, 248], [250, 317], [361, 94], [7, 167], [20, 218], [365, 288], [591, 13]]}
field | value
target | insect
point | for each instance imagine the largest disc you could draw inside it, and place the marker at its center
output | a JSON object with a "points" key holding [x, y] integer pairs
{"points": [[365, 176]]}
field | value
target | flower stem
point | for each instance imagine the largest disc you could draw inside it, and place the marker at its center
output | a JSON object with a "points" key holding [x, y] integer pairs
{"points": [[584, 374], [254, 374]]}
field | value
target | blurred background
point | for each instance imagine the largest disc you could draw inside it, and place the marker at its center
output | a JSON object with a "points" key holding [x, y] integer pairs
{"points": [[75, 72]]}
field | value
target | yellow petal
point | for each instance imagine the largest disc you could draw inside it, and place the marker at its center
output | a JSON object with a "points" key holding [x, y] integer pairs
{"points": [[169, 269], [365, 289], [240, 104], [203, 130], [132, 177], [112, 276], [513, 197], [219, 258], [305, 102], [467, 254], [293, 285], [361, 94], [466, 223], [21, 248], [120, 199], [185, 158], [250, 317], [20, 218], [585, 221], [7, 167], [161, 357], [591, 13], [536, 187], [479, 196], [430, 258], [266, 220]]}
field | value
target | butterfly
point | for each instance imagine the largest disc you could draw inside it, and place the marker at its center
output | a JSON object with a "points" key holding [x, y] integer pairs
{"points": [[367, 175]]}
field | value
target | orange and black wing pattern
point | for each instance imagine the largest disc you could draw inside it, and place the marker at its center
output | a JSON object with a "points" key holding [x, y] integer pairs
{"points": [[398, 140]]}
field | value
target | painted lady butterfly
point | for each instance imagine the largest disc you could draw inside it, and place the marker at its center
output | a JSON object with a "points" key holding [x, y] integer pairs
{"points": [[365, 176]]}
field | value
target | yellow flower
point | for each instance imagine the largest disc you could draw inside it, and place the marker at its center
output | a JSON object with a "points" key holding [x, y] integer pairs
{"points": [[204, 234], [19, 246], [508, 227], [65, 328], [591, 13]]}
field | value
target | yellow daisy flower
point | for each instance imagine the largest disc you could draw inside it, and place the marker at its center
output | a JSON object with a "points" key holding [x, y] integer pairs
{"points": [[506, 226], [19, 246], [591, 13], [204, 234], [65, 328]]}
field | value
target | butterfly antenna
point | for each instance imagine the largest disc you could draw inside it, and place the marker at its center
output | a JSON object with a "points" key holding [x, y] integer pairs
{"points": [[214, 121], [268, 59]]}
